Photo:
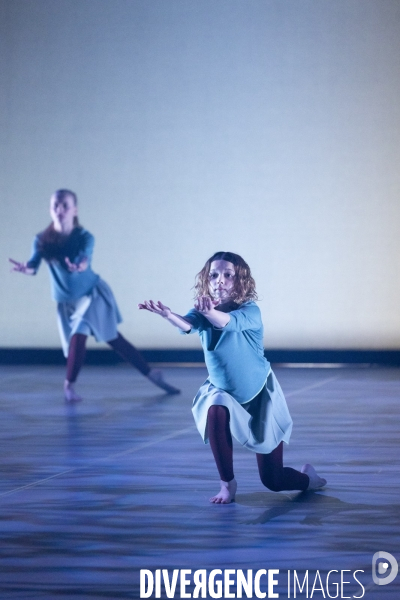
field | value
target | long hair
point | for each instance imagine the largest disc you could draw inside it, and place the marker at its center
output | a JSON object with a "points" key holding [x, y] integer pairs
{"points": [[245, 287], [52, 244]]}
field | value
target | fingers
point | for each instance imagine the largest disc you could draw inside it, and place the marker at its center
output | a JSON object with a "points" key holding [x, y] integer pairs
{"points": [[82, 266], [160, 308], [18, 266], [156, 307], [151, 306], [200, 304], [165, 309], [204, 304], [145, 306], [71, 266]]}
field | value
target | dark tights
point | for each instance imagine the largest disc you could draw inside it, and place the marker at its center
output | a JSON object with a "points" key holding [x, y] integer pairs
{"points": [[77, 351], [273, 474], [219, 435], [129, 353], [76, 356]]}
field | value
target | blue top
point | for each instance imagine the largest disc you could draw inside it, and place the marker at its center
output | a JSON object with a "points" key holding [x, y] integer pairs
{"points": [[67, 286], [234, 354]]}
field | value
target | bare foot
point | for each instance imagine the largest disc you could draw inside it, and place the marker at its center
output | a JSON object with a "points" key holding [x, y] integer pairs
{"points": [[316, 482], [227, 493], [70, 394], [156, 376]]}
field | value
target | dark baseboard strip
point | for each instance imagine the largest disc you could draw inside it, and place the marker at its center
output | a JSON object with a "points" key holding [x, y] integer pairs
{"points": [[53, 356]]}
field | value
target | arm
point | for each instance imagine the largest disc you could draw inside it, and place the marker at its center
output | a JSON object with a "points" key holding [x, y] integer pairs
{"points": [[206, 307], [77, 267], [84, 257], [160, 309], [245, 317], [32, 265], [20, 267]]}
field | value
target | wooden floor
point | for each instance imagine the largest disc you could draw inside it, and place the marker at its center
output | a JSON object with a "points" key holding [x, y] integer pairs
{"points": [[90, 494]]}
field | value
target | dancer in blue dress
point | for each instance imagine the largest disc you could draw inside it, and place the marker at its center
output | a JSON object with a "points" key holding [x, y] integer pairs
{"points": [[241, 396], [85, 303]]}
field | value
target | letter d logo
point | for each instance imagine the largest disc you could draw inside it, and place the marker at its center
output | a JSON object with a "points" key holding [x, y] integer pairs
{"points": [[382, 567]]}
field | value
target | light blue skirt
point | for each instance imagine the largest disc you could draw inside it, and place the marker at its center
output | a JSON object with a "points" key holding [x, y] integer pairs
{"points": [[96, 314], [259, 425]]}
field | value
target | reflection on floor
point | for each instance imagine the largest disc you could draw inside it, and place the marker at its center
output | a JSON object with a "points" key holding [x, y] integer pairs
{"points": [[90, 494]]}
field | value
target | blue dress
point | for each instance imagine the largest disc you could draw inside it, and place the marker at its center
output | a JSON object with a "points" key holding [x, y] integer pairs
{"points": [[85, 303], [241, 379]]}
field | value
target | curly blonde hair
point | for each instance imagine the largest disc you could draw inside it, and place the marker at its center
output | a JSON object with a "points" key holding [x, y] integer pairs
{"points": [[245, 286]]}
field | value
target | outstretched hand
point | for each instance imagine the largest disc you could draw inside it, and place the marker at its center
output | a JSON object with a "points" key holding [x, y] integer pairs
{"points": [[205, 305], [20, 267], [76, 268], [156, 307]]}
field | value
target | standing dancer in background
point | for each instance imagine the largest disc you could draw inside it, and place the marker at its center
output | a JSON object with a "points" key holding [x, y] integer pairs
{"points": [[241, 396], [86, 304]]}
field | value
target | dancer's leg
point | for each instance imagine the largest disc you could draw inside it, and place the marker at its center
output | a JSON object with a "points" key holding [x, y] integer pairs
{"points": [[275, 476], [75, 360], [129, 353], [220, 438]]}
